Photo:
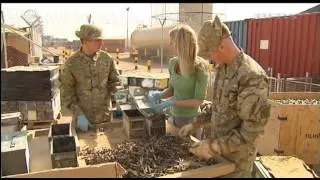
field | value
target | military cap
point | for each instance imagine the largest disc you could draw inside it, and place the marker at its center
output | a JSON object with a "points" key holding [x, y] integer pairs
{"points": [[89, 32], [210, 36]]}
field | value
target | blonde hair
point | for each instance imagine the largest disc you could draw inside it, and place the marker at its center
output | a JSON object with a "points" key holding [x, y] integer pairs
{"points": [[173, 33], [187, 49]]}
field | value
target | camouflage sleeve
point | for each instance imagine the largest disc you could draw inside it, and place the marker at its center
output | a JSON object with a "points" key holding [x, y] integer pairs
{"points": [[113, 80], [68, 91], [254, 111]]}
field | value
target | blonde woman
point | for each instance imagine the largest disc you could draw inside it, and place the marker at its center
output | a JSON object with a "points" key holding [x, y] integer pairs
{"points": [[188, 79]]}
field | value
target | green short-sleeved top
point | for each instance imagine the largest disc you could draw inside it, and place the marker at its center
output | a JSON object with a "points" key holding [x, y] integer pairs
{"points": [[191, 87]]}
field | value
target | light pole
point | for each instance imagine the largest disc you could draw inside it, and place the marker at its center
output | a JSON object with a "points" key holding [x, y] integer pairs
{"points": [[3, 44], [128, 8], [162, 23]]}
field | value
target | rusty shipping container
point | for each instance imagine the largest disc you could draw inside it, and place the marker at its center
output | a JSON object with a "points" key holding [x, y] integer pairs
{"points": [[290, 44], [239, 31]]}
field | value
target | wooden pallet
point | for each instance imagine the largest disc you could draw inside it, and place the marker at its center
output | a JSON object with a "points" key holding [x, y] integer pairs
{"points": [[31, 125]]}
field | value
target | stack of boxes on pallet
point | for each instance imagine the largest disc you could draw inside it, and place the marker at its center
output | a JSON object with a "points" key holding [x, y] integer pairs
{"points": [[31, 90], [62, 146]]}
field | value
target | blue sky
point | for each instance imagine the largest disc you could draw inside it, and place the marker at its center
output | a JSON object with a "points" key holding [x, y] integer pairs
{"points": [[63, 19]]}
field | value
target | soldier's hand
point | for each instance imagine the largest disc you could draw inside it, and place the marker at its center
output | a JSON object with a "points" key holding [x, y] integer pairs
{"points": [[187, 130], [203, 149], [83, 123]]}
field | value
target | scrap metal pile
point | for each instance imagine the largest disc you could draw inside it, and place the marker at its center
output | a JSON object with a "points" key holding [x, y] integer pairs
{"points": [[299, 101], [153, 157]]}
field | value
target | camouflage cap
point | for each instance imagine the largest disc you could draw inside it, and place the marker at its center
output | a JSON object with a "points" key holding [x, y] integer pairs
{"points": [[210, 36], [89, 32]]}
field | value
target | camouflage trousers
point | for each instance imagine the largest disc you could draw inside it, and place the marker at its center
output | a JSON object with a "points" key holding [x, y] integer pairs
{"points": [[244, 166]]}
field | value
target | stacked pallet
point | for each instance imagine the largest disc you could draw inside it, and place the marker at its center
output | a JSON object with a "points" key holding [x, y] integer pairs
{"points": [[29, 83], [33, 91]]}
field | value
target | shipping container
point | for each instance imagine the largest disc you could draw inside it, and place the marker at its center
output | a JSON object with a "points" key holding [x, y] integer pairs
{"points": [[239, 31], [290, 44]]}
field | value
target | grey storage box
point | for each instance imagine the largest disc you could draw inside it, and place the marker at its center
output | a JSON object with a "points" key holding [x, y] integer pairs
{"points": [[63, 152], [11, 122], [14, 153]]}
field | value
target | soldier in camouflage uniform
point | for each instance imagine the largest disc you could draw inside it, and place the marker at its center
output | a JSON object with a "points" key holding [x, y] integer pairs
{"points": [[240, 109], [89, 79]]}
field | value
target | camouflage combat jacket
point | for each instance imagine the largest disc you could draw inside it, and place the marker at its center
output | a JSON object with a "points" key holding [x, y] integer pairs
{"points": [[87, 84], [240, 110]]}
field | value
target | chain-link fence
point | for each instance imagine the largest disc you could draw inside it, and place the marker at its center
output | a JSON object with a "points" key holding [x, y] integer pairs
{"points": [[302, 84], [293, 84]]}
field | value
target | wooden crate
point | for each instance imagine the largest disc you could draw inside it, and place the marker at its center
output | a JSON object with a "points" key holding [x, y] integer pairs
{"points": [[61, 129], [134, 123], [156, 125], [63, 152], [113, 169], [293, 130]]}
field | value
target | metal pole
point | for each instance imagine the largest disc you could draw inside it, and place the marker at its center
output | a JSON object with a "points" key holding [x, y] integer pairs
{"points": [[151, 14], [128, 27], [201, 13], [161, 47], [3, 43], [162, 23]]}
